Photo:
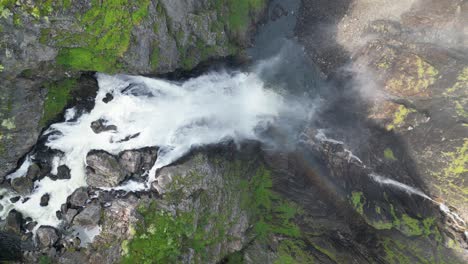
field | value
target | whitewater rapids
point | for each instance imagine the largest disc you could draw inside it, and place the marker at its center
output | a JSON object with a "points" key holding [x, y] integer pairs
{"points": [[175, 116]]}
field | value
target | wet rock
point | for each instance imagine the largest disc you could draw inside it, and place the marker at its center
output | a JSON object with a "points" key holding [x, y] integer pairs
{"points": [[15, 199], [30, 225], [34, 171], [89, 216], [63, 172], [79, 197], [109, 97], [130, 160], [103, 170], [13, 222], [99, 126], [46, 236], [22, 185], [45, 200]]}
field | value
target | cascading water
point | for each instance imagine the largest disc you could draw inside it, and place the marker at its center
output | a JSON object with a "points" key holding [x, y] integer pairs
{"points": [[174, 116]]}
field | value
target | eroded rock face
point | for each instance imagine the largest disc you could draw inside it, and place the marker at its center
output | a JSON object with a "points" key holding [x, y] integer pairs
{"points": [[103, 170]]}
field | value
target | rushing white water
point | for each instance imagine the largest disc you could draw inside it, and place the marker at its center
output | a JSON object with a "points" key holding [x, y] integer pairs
{"points": [[410, 190], [209, 109]]}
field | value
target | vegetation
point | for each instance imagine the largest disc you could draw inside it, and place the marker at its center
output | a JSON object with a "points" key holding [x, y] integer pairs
{"points": [[292, 251], [358, 201], [399, 117], [388, 154], [238, 18], [269, 212], [58, 95], [107, 25]]}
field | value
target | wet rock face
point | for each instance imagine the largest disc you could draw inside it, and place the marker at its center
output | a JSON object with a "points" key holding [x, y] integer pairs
{"points": [[46, 236], [103, 170]]}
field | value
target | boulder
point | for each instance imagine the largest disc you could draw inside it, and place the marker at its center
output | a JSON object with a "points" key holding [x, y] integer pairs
{"points": [[63, 172], [13, 222], [70, 214], [89, 216], [130, 160], [22, 185], [79, 197], [46, 236], [45, 200], [103, 170], [99, 126]]}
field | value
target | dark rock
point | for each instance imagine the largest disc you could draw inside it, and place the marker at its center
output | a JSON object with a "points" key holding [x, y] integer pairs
{"points": [[30, 225], [108, 98], [46, 236], [10, 247], [34, 171], [63, 172], [130, 160], [13, 222], [79, 197], [99, 126], [103, 170], [15, 199], [45, 200], [89, 216]]}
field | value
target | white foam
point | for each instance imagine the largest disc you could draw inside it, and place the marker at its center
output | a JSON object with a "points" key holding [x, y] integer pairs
{"points": [[173, 116], [22, 170]]}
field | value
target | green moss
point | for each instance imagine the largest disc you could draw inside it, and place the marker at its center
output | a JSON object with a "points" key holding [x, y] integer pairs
{"points": [[399, 117], [358, 201], [9, 123], [108, 26], [58, 95], [410, 226], [161, 237], [458, 161], [292, 251], [268, 211], [239, 10], [388, 154], [44, 260], [235, 258], [154, 57]]}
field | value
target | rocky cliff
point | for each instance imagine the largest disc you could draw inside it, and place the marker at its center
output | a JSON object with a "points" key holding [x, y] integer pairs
{"points": [[377, 176], [46, 46]]}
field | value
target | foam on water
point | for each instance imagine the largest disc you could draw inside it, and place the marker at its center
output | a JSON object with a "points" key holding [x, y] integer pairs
{"points": [[176, 117]]}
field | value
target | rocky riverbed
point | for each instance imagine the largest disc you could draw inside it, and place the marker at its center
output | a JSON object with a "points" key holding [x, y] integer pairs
{"points": [[376, 173]]}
